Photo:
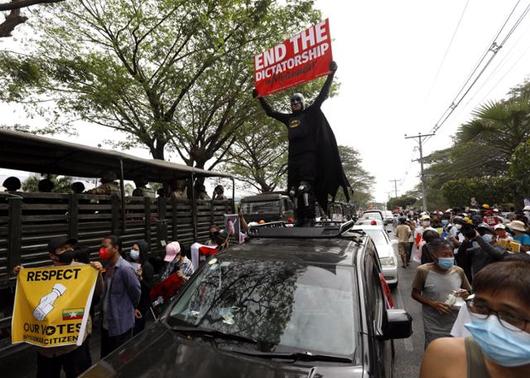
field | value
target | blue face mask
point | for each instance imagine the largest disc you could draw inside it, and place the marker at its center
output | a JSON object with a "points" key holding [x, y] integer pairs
{"points": [[506, 347], [446, 262], [487, 238]]}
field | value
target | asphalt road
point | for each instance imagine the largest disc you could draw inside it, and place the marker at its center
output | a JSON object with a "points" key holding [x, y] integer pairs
{"points": [[409, 351]]}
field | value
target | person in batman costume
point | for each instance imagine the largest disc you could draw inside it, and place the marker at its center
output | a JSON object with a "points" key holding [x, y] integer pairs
{"points": [[314, 166]]}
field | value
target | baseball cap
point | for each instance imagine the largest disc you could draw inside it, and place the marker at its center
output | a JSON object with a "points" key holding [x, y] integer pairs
{"points": [[499, 226], [172, 250], [58, 242]]}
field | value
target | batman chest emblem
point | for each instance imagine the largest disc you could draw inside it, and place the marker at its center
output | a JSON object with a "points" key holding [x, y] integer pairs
{"points": [[294, 123]]}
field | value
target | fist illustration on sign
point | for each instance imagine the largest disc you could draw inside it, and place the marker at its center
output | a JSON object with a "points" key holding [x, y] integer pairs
{"points": [[333, 66], [46, 302]]}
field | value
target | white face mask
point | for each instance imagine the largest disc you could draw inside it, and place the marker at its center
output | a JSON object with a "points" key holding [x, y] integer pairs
{"points": [[135, 254], [458, 226]]}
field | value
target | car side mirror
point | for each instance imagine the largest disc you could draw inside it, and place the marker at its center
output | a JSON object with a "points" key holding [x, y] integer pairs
{"points": [[398, 325]]}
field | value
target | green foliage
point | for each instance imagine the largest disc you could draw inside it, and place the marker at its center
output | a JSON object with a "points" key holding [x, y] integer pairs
{"points": [[478, 162], [403, 201], [493, 190], [360, 180], [259, 156], [61, 183], [519, 172], [172, 74]]}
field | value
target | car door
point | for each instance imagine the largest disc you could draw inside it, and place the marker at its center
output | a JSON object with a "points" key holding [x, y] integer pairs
{"points": [[381, 351]]}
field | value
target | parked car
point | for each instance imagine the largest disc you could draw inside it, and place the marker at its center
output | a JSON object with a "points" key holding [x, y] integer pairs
{"points": [[292, 302], [373, 214], [386, 250], [388, 217], [268, 207]]}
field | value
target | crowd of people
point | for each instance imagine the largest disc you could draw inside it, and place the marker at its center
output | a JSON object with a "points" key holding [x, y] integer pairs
{"points": [[128, 291], [473, 283], [176, 189]]}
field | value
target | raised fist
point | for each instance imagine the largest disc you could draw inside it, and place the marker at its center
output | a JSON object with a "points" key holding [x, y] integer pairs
{"points": [[333, 66]]}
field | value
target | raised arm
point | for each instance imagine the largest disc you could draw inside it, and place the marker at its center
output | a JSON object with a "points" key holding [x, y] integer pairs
{"points": [[324, 92], [282, 117]]}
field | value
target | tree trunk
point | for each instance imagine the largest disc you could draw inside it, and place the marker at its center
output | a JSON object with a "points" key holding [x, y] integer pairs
{"points": [[157, 150]]}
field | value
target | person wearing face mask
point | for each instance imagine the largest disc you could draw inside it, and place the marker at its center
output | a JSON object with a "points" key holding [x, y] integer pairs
{"points": [[121, 298], [138, 256], [73, 359], [435, 286], [499, 324]]}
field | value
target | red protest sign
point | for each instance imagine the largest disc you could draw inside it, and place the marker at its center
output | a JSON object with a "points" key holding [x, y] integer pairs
{"points": [[296, 60]]}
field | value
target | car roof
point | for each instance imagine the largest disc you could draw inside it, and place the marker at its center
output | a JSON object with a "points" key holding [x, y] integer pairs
{"points": [[264, 197], [331, 251]]}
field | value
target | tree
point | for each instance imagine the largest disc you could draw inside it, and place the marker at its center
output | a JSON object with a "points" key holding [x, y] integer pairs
{"points": [[492, 190], [61, 183], [14, 17], [360, 180], [482, 150], [519, 169], [259, 156], [171, 74], [403, 201]]}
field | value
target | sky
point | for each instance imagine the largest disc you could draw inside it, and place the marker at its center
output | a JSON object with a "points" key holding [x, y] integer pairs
{"points": [[388, 54]]}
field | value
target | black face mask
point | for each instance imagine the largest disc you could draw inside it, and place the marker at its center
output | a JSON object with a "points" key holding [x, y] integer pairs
{"points": [[66, 257]]}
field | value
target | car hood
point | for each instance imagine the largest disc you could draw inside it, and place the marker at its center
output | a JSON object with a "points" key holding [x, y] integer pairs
{"points": [[160, 352]]}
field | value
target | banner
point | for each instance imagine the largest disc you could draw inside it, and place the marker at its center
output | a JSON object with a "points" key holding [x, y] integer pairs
{"points": [[296, 60], [52, 305]]}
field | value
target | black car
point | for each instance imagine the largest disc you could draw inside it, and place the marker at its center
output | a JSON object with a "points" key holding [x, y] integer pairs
{"points": [[290, 303]]}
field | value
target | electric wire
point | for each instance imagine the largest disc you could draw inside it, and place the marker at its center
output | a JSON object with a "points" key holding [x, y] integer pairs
{"points": [[446, 53], [470, 82]]}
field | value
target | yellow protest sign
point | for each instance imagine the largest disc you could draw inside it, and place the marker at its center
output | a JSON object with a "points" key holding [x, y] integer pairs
{"points": [[52, 305]]}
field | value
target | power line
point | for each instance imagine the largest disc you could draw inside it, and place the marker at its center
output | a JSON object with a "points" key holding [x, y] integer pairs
{"points": [[421, 138], [472, 79], [448, 48]]}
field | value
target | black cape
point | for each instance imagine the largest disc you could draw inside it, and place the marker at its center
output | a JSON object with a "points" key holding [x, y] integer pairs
{"points": [[330, 173]]}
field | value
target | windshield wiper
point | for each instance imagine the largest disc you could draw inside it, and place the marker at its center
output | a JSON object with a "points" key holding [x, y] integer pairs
{"points": [[298, 356], [214, 334]]}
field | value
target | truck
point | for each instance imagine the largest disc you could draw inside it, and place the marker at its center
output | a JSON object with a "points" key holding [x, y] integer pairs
{"points": [[29, 220]]}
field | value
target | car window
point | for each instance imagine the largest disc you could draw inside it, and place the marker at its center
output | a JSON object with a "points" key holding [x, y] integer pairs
{"points": [[373, 215], [282, 304], [260, 207], [375, 300]]}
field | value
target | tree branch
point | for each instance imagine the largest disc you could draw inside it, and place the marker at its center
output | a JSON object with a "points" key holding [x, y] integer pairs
{"points": [[24, 4]]}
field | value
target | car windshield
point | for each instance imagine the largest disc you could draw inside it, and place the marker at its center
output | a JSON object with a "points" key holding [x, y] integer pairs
{"points": [[284, 305], [260, 207], [373, 215]]}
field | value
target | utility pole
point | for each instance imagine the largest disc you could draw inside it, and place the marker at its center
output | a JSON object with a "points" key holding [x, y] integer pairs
{"points": [[421, 138], [395, 181]]}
